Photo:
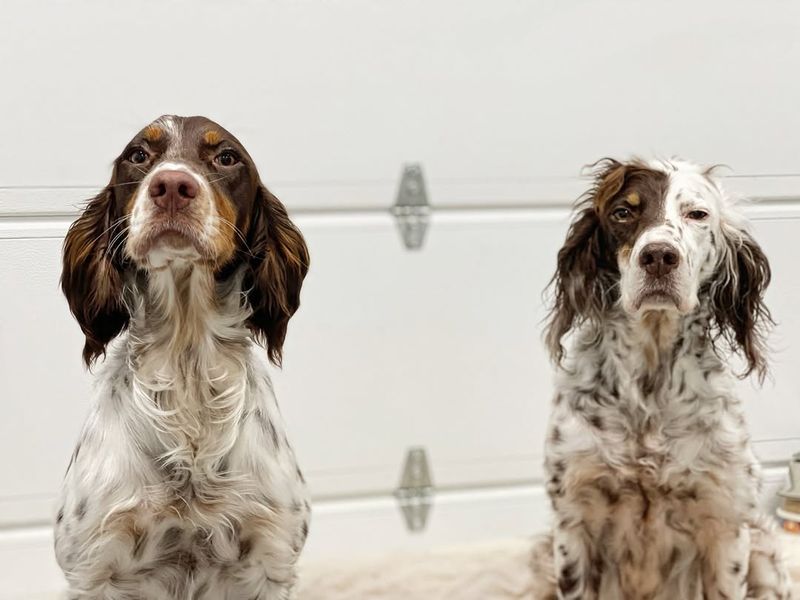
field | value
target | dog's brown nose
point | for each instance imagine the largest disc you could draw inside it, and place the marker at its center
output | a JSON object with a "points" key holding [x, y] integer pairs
{"points": [[659, 258], [172, 190]]}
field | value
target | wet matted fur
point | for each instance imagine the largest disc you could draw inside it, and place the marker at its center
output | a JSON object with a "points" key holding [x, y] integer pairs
{"points": [[183, 484], [649, 466]]}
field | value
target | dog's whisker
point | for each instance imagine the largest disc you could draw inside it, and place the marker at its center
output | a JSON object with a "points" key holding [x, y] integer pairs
{"points": [[237, 232], [115, 223]]}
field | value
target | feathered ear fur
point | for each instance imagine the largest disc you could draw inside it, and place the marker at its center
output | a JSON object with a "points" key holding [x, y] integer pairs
{"points": [[584, 281], [737, 298], [91, 280], [278, 264], [580, 288]]}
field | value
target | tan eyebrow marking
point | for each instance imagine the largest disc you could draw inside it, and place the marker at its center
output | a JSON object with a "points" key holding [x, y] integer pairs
{"points": [[153, 133], [633, 199], [212, 137]]}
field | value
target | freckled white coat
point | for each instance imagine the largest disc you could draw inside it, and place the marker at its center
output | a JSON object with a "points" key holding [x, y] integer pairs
{"points": [[650, 470], [183, 484]]}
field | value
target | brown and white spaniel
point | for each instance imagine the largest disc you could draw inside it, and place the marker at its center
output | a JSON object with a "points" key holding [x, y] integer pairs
{"points": [[649, 466], [183, 484]]}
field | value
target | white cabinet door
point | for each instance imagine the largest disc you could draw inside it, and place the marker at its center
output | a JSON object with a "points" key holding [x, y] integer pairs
{"points": [[438, 348], [43, 390], [774, 408]]}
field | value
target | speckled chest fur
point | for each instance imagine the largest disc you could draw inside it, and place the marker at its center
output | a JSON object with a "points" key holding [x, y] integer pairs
{"points": [[650, 464], [183, 483]]}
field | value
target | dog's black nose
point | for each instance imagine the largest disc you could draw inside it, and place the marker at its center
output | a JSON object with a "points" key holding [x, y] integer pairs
{"points": [[172, 190], [659, 258]]}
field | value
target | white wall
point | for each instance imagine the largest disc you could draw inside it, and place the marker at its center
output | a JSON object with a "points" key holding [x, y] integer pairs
{"points": [[501, 101]]}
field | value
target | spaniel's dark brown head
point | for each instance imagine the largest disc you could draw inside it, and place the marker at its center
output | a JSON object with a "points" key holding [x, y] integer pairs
{"points": [[184, 189]]}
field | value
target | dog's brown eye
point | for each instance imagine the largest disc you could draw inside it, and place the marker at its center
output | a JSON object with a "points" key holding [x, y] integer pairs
{"points": [[621, 214], [696, 215], [137, 156], [227, 158]]}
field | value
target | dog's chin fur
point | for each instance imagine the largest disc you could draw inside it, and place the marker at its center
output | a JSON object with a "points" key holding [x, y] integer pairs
{"points": [[171, 251], [164, 244], [661, 300], [174, 239]]}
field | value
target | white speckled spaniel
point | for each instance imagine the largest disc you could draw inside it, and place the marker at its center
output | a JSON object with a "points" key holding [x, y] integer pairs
{"points": [[183, 484], [650, 471]]}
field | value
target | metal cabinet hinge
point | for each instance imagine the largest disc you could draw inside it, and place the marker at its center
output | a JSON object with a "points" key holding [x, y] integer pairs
{"points": [[411, 209], [415, 494]]}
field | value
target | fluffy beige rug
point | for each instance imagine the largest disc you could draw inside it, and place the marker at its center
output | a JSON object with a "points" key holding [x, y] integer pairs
{"points": [[496, 571]]}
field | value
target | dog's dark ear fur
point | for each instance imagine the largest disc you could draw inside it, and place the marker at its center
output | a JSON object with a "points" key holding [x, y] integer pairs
{"points": [[584, 282], [90, 279], [278, 264], [577, 284], [737, 299]]}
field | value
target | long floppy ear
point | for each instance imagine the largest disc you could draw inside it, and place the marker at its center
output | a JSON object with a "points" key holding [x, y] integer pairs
{"points": [[91, 280], [737, 298], [579, 292], [278, 263], [583, 284]]}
